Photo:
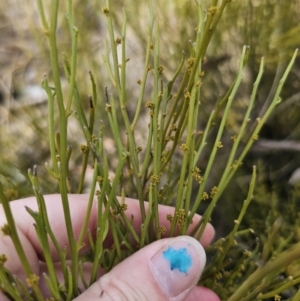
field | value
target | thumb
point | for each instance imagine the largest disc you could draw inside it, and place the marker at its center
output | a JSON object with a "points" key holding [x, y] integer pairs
{"points": [[167, 269]]}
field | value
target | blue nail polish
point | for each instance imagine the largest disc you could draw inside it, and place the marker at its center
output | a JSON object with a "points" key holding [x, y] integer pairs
{"points": [[178, 265], [179, 259]]}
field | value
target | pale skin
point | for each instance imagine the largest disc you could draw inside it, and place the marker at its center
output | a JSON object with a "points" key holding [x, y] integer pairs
{"points": [[31, 246]]}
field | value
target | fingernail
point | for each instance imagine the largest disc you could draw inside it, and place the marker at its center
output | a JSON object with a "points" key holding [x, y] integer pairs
{"points": [[178, 266]]}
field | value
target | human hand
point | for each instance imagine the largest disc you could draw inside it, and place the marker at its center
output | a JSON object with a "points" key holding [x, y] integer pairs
{"points": [[167, 269]]}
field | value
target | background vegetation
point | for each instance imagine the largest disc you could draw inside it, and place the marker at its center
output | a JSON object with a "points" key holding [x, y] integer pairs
{"points": [[270, 28]]}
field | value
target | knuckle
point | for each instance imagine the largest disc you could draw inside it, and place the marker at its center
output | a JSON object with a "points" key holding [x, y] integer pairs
{"points": [[114, 288]]}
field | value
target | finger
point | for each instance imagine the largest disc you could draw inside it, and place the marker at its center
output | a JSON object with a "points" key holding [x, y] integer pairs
{"points": [[86, 269], [78, 205], [167, 269], [13, 262], [25, 223], [78, 209], [134, 208], [200, 293]]}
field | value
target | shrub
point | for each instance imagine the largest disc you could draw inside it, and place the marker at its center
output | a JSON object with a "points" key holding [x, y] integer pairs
{"points": [[172, 146]]}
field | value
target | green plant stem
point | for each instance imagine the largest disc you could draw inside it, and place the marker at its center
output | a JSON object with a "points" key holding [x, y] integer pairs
{"points": [[112, 200], [92, 114], [147, 158], [74, 35], [83, 171], [122, 96], [17, 243], [191, 165], [43, 17], [238, 221], [279, 290], [73, 69], [145, 224], [296, 296], [156, 103], [156, 155], [79, 109], [124, 240], [121, 88], [241, 132], [113, 47], [98, 254], [94, 96], [235, 272], [172, 114], [51, 119], [108, 66], [63, 143], [9, 287], [89, 207], [146, 69], [187, 153], [203, 139], [272, 237], [262, 120], [114, 204], [82, 275], [209, 28], [115, 236], [69, 153], [177, 72], [269, 268], [229, 165], [70, 281], [102, 224], [43, 228], [113, 121], [212, 119], [90, 130], [53, 289], [24, 290], [207, 214]]}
